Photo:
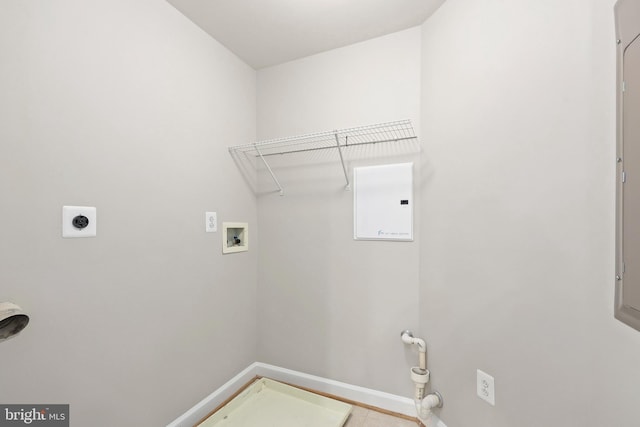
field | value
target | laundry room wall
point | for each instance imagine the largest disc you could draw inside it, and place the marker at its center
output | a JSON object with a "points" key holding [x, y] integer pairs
{"points": [[517, 225], [329, 305], [128, 107]]}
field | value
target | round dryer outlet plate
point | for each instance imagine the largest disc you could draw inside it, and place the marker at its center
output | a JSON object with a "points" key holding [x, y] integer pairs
{"points": [[79, 221]]}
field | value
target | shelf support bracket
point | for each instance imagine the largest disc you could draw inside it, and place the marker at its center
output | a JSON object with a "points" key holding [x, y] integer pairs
{"points": [[273, 176], [344, 168]]}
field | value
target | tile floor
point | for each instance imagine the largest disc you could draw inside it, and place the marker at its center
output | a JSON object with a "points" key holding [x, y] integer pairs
{"points": [[362, 417]]}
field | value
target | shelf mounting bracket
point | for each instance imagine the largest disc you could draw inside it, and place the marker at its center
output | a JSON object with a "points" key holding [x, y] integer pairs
{"points": [[344, 168], [273, 176]]}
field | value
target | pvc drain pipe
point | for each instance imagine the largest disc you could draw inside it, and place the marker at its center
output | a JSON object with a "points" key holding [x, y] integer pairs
{"points": [[408, 338], [420, 376], [424, 407]]}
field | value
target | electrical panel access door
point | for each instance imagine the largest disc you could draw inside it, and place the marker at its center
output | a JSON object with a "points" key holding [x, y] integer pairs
{"points": [[383, 202], [627, 299]]}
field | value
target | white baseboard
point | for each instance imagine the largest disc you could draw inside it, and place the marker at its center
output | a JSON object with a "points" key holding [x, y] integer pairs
{"points": [[215, 399], [378, 399]]}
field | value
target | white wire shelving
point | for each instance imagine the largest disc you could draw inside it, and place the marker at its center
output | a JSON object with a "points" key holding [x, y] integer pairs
{"points": [[395, 131]]}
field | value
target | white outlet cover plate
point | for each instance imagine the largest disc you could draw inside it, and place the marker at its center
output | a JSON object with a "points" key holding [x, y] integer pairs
{"points": [[211, 222], [486, 388], [70, 212]]}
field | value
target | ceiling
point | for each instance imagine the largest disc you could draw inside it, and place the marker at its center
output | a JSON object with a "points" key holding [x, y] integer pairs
{"points": [[270, 32]]}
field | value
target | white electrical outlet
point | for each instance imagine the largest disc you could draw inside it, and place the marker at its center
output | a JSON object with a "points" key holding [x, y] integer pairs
{"points": [[486, 388], [211, 222]]}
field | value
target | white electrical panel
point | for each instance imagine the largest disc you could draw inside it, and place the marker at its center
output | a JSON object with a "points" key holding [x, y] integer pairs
{"points": [[383, 202]]}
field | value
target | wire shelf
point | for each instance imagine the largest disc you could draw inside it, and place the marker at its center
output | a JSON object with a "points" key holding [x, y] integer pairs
{"points": [[395, 131], [372, 134]]}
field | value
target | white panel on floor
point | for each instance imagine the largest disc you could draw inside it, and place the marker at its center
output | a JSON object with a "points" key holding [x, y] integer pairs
{"points": [[270, 403]]}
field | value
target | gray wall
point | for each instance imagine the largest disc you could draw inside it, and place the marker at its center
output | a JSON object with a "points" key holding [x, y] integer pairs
{"points": [[129, 107], [329, 305], [517, 226]]}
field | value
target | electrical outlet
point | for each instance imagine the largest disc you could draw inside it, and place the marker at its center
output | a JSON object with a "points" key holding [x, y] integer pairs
{"points": [[211, 222], [79, 221], [486, 388]]}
